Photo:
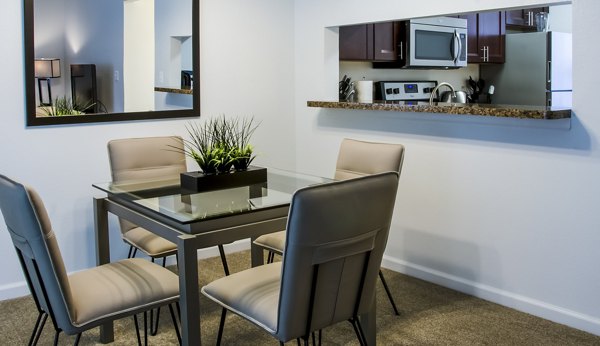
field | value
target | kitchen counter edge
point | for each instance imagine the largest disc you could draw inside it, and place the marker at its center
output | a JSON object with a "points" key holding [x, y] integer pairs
{"points": [[488, 110]]}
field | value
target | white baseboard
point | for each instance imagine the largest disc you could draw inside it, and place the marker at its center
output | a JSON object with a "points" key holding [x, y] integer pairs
{"points": [[20, 289], [532, 306], [14, 290]]}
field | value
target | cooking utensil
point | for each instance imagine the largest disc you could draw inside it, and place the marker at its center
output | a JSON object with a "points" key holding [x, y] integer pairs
{"points": [[350, 95], [345, 86], [480, 85], [473, 85]]}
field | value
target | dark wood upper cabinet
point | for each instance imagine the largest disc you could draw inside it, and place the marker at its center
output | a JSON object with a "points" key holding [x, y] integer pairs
{"points": [[356, 42], [472, 39], [524, 19], [369, 42], [486, 31], [385, 41]]}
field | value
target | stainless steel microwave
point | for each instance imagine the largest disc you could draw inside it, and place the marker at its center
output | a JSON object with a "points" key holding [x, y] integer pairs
{"points": [[437, 42]]}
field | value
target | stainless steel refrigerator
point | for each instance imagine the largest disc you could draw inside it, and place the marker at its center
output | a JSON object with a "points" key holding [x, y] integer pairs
{"points": [[537, 71]]}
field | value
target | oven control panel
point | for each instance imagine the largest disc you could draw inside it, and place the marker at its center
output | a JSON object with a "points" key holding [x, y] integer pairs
{"points": [[404, 90]]}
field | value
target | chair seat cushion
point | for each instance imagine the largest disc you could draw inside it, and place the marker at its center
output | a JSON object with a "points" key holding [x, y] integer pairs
{"points": [[118, 287], [252, 293], [150, 243], [273, 241]]}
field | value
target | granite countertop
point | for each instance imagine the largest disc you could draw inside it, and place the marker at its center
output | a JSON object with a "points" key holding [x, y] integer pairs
{"points": [[490, 110], [174, 90]]}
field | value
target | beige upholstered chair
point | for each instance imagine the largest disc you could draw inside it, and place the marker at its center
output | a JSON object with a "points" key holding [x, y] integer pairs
{"points": [[146, 158], [335, 242], [87, 298], [355, 159]]}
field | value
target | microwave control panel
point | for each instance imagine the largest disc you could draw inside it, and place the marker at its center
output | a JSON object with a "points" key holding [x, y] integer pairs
{"points": [[404, 90]]}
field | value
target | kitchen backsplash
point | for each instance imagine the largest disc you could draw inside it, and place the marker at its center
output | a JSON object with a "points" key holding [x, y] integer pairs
{"points": [[458, 77]]}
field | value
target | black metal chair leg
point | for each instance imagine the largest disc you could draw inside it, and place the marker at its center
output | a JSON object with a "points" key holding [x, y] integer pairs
{"points": [[153, 322], [361, 331], [137, 330], [145, 328], [56, 336], [164, 261], [357, 331], [129, 255], [77, 339], [270, 257], [389, 293], [37, 329], [223, 259], [175, 323], [221, 326], [40, 329]]}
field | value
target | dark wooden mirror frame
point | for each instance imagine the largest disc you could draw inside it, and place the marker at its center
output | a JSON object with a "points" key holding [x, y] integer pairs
{"points": [[30, 102]]}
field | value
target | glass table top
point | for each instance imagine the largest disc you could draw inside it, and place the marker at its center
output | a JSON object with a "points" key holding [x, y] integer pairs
{"points": [[165, 196]]}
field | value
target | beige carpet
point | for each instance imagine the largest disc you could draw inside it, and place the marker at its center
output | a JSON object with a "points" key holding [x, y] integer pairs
{"points": [[430, 315]]}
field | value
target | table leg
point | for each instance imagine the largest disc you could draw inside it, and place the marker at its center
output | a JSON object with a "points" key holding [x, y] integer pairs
{"points": [[107, 334], [189, 300], [257, 257]]}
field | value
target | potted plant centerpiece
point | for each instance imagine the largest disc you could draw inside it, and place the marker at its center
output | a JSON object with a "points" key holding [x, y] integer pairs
{"points": [[243, 152], [218, 145]]}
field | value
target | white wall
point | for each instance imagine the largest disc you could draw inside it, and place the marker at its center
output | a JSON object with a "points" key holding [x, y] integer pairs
{"points": [[62, 162], [173, 42], [247, 61], [138, 56], [499, 210], [89, 40], [173, 32], [49, 33], [560, 18]]}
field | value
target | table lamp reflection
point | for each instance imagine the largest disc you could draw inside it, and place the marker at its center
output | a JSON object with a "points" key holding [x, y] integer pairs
{"points": [[44, 70]]}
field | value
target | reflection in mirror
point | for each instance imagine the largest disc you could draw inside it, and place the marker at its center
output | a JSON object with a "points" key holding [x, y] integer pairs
{"points": [[118, 60]]}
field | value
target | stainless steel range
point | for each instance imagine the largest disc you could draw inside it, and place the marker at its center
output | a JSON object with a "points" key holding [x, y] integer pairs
{"points": [[404, 90]]}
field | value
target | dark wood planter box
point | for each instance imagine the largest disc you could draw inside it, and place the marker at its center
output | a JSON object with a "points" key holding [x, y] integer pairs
{"points": [[200, 182]]}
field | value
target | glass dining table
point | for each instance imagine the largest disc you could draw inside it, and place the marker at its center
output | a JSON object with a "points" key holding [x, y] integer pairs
{"points": [[196, 220]]}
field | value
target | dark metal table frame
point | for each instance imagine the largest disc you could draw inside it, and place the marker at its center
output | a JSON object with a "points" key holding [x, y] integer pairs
{"points": [[189, 238]]}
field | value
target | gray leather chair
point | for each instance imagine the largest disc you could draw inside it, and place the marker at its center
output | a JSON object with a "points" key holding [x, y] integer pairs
{"points": [[336, 236], [355, 159], [87, 298]]}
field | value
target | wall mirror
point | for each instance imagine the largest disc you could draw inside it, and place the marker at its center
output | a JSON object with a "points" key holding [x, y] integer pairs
{"points": [[111, 60]]}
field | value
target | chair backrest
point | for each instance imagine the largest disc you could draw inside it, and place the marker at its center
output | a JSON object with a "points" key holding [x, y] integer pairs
{"points": [[145, 158], [32, 235], [358, 158], [336, 236]]}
